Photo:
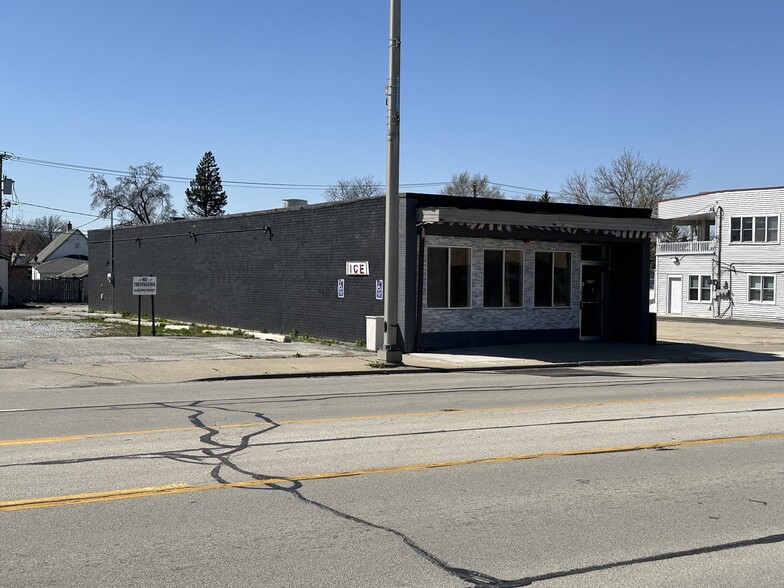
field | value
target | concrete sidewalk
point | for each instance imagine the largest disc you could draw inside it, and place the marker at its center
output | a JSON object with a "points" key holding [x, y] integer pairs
{"points": [[114, 360], [486, 358]]}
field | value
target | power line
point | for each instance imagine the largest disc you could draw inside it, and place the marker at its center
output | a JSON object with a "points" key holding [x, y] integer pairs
{"points": [[234, 183], [60, 210], [115, 172]]}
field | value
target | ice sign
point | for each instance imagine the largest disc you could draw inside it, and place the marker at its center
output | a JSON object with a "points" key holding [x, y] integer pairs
{"points": [[357, 268]]}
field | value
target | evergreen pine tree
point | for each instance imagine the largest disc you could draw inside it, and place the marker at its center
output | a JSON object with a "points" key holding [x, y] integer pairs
{"points": [[206, 197], [545, 197]]}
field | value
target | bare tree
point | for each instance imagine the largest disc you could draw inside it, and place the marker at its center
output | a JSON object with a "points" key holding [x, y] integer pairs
{"points": [[139, 198], [353, 189], [49, 227], [19, 237], [629, 181], [465, 184], [577, 188]]}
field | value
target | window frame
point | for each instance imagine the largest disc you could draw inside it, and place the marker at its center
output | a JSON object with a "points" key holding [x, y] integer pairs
{"points": [[469, 286], [699, 288], [503, 277], [761, 289], [569, 288], [742, 227]]}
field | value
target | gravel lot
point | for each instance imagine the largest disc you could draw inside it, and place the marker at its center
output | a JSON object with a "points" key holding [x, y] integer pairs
{"points": [[42, 323], [54, 334]]}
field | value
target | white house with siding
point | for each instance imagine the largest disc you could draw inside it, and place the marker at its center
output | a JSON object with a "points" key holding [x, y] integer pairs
{"points": [[70, 245], [728, 260]]}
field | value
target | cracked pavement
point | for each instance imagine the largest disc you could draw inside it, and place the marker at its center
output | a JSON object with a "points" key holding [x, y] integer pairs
{"points": [[615, 477]]}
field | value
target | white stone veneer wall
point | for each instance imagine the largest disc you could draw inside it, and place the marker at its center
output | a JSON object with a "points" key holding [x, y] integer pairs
{"points": [[478, 318]]}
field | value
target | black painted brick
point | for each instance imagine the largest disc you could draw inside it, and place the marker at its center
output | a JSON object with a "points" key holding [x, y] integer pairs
{"points": [[230, 273]]}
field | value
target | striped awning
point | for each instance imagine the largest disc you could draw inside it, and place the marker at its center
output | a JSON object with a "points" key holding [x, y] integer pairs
{"points": [[505, 221]]}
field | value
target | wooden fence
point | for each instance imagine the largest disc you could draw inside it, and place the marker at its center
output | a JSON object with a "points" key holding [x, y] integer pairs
{"points": [[53, 290]]}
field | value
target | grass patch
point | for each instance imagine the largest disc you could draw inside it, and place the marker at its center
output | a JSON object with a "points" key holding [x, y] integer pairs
{"points": [[113, 329], [378, 363], [295, 336]]}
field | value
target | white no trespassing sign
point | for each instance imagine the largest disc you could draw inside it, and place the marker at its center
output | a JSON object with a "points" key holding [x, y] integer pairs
{"points": [[145, 285]]}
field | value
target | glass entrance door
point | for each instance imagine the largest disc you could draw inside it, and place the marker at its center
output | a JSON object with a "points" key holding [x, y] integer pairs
{"points": [[592, 301]]}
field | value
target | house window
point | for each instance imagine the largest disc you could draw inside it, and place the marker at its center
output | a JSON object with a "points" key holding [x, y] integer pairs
{"points": [[700, 288], [552, 278], [754, 229], [503, 286], [762, 288], [448, 277]]}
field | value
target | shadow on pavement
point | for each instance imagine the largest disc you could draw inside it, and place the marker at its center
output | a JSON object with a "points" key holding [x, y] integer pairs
{"points": [[596, 352]]}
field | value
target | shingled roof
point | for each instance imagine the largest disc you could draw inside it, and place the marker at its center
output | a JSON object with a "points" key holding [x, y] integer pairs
{"points": [[47, 251]]}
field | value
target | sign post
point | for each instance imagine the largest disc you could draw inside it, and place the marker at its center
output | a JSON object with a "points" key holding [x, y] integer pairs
{"points": [[145, 286]]}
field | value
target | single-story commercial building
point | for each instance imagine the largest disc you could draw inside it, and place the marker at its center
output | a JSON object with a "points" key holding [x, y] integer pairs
{"points": [[472, 271]]}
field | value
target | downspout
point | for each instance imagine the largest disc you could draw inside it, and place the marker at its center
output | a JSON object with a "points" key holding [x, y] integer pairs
{"points": [[420, 286]]}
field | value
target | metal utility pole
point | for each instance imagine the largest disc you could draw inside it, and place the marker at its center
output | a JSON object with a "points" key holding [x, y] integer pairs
{"points": [[390, 352]]}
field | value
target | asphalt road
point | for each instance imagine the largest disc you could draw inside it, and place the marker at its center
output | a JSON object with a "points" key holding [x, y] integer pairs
{"points": [[647, 476]]}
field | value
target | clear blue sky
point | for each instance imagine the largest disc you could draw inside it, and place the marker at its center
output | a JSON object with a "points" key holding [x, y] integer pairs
{"points": [[525, 91]]}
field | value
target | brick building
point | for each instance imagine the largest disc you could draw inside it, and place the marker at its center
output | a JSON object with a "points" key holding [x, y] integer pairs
{"points": [[472, 271]]}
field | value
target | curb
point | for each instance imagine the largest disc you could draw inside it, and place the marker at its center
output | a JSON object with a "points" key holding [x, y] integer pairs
{"points": [[279, 376], [424, 369]]}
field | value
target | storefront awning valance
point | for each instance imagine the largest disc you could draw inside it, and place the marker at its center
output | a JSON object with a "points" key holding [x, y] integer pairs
{"points": [[503, 220]]}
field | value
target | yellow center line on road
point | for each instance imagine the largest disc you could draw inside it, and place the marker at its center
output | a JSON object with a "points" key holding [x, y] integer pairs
{"points": [[84, 498], [450, 412]]}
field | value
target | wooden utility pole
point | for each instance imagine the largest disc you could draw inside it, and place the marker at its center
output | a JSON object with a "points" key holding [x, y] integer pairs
{"points": [[3, 204]]}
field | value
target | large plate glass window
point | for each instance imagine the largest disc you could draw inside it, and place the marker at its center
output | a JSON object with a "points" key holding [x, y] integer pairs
{"points": [[503, 281], [448, 277], [552, 278]]}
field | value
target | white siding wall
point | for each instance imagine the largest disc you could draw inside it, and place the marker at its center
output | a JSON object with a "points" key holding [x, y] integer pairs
{"points": [[739, 260], [75, 245], [478, 318], [690, 265]]}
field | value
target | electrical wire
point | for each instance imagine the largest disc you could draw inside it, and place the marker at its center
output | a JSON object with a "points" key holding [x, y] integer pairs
{"points": [[512, 190], [59, 209], [245, 183]]}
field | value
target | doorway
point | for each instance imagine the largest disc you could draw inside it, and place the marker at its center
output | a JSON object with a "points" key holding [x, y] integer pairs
{"points": [[592, 280], [674, 294]]}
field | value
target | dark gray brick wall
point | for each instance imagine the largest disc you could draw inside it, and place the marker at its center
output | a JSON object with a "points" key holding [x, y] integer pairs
{"points": [[227, 270]]}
